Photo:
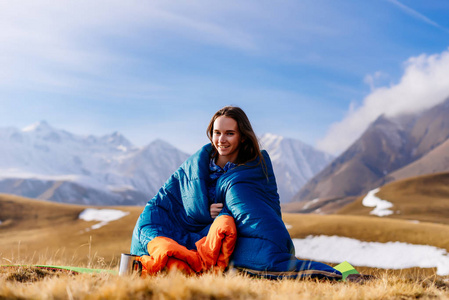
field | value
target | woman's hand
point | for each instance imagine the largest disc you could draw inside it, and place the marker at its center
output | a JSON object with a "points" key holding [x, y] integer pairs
{"points": [[215, 209]]}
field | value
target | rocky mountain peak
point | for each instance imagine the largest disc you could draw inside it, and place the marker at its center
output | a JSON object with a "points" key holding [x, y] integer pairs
{"points": [[41, 127], [294, 162], [389, 144], [118, 140]]}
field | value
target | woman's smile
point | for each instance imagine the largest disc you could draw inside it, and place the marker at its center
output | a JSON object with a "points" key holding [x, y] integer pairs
{"points": [[226, 139]]}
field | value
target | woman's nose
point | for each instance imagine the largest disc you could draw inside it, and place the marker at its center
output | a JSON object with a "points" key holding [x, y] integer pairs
{"points": [[222, 138]]}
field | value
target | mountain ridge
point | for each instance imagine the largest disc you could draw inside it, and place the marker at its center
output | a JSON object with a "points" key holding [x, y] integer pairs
{"points": [[294, 162], [388, 145], [40, 161]]}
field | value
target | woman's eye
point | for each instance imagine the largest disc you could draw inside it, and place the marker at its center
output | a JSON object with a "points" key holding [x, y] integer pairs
{"points": [[230, 133]]}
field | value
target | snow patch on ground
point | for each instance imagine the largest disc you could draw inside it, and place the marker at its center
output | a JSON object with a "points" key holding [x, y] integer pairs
{"points": [[391, 255], [288, 226], [381, 207], [104, 216], [307, 205]]}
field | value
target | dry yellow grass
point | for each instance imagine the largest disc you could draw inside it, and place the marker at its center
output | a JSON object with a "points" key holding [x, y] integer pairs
{"points": [[228, 286]]}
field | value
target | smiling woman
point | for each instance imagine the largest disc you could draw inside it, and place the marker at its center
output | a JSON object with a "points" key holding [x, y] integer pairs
{"points": [[231, 133], [220, 207], [229, 130], [226, 139]]}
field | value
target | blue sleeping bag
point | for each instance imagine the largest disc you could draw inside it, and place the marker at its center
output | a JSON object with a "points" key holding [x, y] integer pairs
{"points": [[180, 211]]}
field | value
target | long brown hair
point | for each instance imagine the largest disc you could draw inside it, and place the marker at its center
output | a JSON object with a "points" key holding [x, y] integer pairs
{"points": [[249, 148]]}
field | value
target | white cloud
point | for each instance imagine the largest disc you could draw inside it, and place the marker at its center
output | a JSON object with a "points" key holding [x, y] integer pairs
{"points": [[373, 80], [42, 44], [73, 43], [50, 44], [424, 84]]}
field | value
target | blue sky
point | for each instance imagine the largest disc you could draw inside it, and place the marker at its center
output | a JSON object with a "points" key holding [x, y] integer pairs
{"points": [[315, 70]]}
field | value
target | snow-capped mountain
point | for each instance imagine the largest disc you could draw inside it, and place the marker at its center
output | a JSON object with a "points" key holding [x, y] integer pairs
{"points": [[294, 163], [42, 162]]}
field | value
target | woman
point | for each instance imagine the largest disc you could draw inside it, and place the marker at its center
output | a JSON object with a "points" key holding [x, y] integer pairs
{"points": [[224, 196], [229, 130]]}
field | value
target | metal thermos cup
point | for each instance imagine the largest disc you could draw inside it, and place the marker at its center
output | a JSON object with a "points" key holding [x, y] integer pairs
{"points": [[129, 265]]}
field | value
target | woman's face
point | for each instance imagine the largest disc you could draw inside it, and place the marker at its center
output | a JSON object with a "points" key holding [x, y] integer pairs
{"points": [[226, 138]]}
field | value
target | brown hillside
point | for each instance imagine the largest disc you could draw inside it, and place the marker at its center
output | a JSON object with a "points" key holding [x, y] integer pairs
{"points": [[430, 130], [436, 161], [318, 205], [35, 229], [376, 153], [423, 198]]}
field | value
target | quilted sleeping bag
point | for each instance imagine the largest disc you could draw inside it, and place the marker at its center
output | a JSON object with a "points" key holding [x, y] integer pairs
{"points": [[180, 212]]}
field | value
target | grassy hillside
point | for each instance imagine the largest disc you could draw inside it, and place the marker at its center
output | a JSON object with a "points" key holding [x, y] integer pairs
{"points": [[423, 198], [38, 230]]}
